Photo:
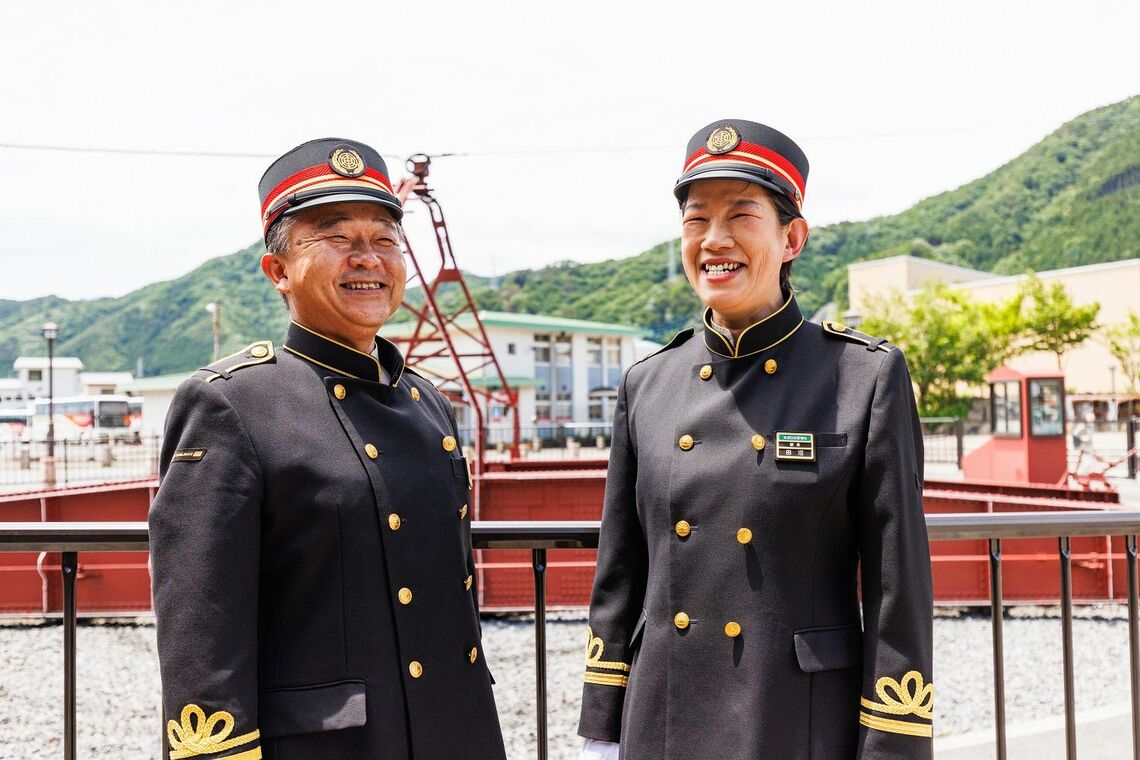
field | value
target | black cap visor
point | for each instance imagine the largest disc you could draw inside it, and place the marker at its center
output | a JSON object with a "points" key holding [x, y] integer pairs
{"points": [[302, 200], [758, 176]]}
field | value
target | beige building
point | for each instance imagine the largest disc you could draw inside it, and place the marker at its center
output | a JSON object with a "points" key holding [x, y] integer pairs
{"points": [[1090, 370]]}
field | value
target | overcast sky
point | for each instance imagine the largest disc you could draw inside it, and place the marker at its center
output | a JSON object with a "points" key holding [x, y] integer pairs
{"points": [[571, 120]]}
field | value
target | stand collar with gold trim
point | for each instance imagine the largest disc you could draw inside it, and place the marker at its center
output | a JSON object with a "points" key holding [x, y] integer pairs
{"points": [[337, 357], [760, 336]]}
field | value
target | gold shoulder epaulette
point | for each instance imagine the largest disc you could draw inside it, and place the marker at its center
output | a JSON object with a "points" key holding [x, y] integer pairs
{"points": [[255, 353], [840, 330]]}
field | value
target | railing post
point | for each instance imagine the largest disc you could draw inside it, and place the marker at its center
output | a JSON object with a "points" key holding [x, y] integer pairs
{"points": [[1134, 640], [960, 434], [70, 567], [539, 562], [996, 613], [1065, 553], [1130, 444]]}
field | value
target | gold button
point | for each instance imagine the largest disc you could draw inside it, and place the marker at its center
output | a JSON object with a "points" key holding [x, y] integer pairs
{"points": [[415, 668], [839, 327], [415, 394], [463, 512], [706, 372], [770, 366], [758, 442], [473, 655], [732, 630], [339, 391], [394, 521], [448, 443], [686, 442], [259, 352], [683, 528], [467, 583], [405, 595], [371, 451], [744, 536], [681, 620]]}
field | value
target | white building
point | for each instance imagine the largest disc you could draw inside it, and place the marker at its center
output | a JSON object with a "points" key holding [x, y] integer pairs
{"points": [[32, 372], [13, 394], [104, 383], [566, 371], [157, 392]]}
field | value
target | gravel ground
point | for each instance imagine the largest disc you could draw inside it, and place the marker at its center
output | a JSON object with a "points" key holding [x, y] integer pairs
{"points": [[119, 688]]}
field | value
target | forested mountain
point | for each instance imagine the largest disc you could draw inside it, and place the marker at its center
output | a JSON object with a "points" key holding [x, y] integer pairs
{"points": [[1071, 199]]}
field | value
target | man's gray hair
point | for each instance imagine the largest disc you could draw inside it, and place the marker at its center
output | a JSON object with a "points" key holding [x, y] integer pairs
{"points": [[278, 239]]}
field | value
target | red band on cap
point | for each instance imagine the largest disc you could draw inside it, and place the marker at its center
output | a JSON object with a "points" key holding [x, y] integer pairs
{"points": [[756, 155], [317, 176]]}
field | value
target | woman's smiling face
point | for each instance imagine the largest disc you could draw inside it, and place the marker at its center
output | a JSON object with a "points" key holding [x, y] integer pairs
{"points": [[732, 247]]}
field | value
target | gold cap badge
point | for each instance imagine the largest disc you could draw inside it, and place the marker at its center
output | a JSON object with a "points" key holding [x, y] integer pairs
{"points": [[723, 139], [346, 162]]}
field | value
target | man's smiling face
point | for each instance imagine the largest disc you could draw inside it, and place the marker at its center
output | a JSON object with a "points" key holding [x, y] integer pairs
{"points": [[344, 272]]}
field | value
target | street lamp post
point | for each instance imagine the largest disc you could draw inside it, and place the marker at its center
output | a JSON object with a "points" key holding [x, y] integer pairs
{"points": [[50, 332], [215, 308]]}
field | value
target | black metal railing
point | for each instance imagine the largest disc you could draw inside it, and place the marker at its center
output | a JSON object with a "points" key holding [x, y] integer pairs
{"points": [[539, 537], [942, 439], [25, 463]]}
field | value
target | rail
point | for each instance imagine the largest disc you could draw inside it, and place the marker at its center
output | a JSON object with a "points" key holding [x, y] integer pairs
{"points": [[540, 537]]}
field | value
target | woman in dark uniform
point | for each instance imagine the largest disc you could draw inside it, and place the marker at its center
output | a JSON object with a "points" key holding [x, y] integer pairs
{"points": [[765, 470]]}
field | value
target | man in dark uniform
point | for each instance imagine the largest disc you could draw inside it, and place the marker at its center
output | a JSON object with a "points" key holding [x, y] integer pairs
{"points": [[762, 468], [313, 573]]}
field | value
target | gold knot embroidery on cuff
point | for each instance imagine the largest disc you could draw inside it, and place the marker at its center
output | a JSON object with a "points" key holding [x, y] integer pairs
{"points": [[594, 650], [196, 734], [910, 696]]}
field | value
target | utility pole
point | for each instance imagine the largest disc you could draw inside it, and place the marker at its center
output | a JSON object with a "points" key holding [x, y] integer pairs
{"points": [[214, 309], [50, 333]]}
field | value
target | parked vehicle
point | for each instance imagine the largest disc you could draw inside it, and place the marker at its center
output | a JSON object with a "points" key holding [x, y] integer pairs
{"points": [[83, 418]]}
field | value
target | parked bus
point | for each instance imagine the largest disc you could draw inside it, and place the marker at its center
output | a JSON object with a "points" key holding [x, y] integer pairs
{"points": [[83, 418], [13, 422]]}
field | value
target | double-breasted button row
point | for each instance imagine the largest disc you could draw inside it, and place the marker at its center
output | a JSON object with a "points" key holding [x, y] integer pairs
{"points": [[732, 629], [706, 371], [683, 528], [416, 668], [687, 442]]}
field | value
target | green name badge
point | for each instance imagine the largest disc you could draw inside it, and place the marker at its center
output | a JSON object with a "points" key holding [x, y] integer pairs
{"points": [[795, 447]]}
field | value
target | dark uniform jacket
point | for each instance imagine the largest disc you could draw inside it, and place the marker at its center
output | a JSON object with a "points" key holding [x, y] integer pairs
{"points": [[312, 564], [748, 487]]}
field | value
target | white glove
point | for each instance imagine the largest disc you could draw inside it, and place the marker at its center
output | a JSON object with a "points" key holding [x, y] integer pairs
{"points": [[596, 749]]}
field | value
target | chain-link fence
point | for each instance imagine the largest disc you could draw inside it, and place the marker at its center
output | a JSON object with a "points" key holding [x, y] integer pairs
{"points": [[26, 465]]}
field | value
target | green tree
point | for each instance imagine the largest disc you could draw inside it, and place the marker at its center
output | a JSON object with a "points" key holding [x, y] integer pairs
{"points": [[949, 340], [1123, 342], [1051, 321]]}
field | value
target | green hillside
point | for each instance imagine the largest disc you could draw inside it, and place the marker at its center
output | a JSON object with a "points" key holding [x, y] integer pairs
{"points": [[1069, 200]]}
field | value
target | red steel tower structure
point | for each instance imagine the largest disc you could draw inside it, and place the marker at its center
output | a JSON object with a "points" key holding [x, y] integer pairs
{"points": [[436, 329]]}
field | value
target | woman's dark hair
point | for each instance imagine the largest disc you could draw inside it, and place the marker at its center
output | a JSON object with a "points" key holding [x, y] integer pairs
{"points": [[786, 211]]}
